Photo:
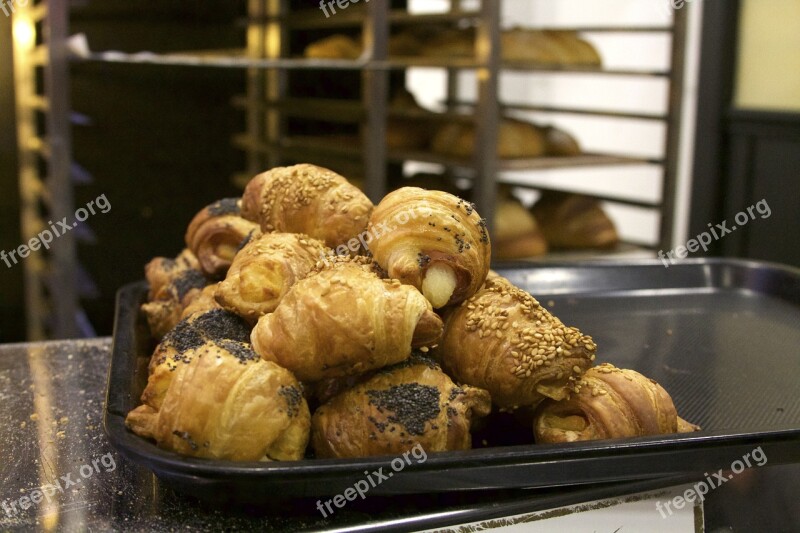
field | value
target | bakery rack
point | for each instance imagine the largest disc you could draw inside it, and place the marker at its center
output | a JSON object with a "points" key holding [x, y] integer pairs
{"points": [[47, 173]]}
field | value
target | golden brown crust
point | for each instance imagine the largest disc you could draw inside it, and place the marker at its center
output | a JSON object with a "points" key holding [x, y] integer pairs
{"points": [[515, 139], [574, 221], [223, 402], [559, 143], [264, 271], [344, 320], [412, 404], [337, 46], [607, 402], [516, 235], [415, 230], [503, 341], [204, 302], [174, 285], [307, 199], [215, 235]]}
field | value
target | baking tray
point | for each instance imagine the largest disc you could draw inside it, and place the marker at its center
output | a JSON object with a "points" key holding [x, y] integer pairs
{"points": [[722, 336]]}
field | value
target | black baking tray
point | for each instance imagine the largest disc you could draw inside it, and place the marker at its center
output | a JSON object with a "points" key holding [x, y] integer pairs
{"points": [[721, 336]]}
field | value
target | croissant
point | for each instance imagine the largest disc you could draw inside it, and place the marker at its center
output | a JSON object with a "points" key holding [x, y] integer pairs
{"points": [[183, 287], [161, 271], [413, 404], [215, 235], [345, 320], [503, 341], [432, 240], [203, 303], [608, 402], [574, 221], [215, 324], [224, 402], [264, 270], [307, 199]]}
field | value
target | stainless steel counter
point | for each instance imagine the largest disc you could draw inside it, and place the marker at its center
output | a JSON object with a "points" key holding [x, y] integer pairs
{"points": [[59, 473]]}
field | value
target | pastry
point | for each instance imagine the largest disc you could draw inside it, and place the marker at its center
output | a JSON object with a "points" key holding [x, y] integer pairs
{"points": [[215, 235], [337, 46], [515, 139], [402, 407], [432, 240], [307, 199], [516, 233], [345, 320], [608, 402], [265, 269], [503, 341], [559, 143], [176, 284], [574, 221], [224, 402]]}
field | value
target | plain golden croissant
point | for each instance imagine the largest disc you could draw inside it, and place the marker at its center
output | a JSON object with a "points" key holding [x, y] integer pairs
{"points": [[307, 199], [503, 341], [432, 240], [409, 405], [177, 286], [264, 270], [345, 320], [608, 402], [574, 221], [222, 401], [215, 235]]}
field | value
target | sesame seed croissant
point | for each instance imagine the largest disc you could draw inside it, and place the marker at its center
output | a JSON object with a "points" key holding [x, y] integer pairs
{"points": [[503, 341], [307, 199], [264, 270], [224, 402], [345, 320], [411, 404], [215, 235], [609, 402], [432, 240]]}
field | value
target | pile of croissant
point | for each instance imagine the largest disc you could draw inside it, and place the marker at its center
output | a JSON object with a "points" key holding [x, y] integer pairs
{"points": [[303, 321]]}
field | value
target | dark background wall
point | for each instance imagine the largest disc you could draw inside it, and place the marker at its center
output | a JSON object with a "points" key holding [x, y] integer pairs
{"points": [[12, 326]]}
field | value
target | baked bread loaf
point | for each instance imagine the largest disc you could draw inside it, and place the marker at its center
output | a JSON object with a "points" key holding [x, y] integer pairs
{"points": [[574, 221], [559, 143], [503, 341], [264, 271], [215, 235], [413, 404], [345, 320], [432, 240], [516, 233], [607, 403], [406, 133], [224, 402], [307, 199], [515, 139], [336, 46]]}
